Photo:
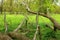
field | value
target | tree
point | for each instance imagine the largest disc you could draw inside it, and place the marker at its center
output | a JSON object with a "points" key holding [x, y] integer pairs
{"points": [[1, 7], [55, 23], [5, 23]]}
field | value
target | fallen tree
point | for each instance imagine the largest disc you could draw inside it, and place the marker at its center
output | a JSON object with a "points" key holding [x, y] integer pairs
{"points": [[55, 23], [17, 36], [13, 36], [5, 37]]}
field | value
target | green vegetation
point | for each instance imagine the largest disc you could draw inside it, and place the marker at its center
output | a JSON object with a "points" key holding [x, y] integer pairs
{"points": [[14, 20], [36, 19]]}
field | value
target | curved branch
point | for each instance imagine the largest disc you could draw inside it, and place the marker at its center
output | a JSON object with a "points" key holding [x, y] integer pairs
{"points": [[56, 24]]}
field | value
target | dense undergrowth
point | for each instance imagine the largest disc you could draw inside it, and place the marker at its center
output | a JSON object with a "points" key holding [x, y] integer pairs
{"points": [[14, 20]]}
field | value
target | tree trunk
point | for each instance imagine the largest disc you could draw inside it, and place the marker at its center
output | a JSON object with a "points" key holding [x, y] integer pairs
{"points": [[34, 38], [1, 6], [19, 26], [5, 23], [17, 36], [55, 23], [11, 6], [36, 27], [39, 32]]}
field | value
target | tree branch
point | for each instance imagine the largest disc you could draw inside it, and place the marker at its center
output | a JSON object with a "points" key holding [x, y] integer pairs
{"points": [[19, 26], [49, 26], [34, 38], [56, 24]]}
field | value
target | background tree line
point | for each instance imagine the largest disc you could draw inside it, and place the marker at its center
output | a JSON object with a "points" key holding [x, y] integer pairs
{"points": [[15, 6]]}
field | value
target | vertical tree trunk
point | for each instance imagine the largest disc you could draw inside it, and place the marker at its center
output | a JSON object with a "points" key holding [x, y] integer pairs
{"points": [[10, 6], [1, 7], [5, 23], [39, 32], [36, 19], [34, 38], [26, 22]]}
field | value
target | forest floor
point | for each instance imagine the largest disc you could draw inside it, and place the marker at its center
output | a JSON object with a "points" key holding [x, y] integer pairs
{"points": [[14, 20]]}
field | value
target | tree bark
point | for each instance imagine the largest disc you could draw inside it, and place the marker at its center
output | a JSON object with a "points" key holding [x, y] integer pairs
{"points": [[34, 38], [49, 26], [17, 36], [19, 26], [39, 32], [11, 1], [55, 23], [5, 23], [1, 6], [36, 26]]}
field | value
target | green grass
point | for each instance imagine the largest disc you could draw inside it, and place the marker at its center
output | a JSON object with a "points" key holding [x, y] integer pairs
{"points": [[14, 20]]}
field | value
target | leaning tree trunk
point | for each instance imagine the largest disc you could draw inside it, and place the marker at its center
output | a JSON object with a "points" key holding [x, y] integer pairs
{"points": [[55, 23], [35, 35], [19, 26]]}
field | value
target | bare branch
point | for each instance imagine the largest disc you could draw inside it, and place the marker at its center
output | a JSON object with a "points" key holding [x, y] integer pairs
{"points": [[27, 7], [34, 38], [19, 26], [49, 26], [56, 24]]}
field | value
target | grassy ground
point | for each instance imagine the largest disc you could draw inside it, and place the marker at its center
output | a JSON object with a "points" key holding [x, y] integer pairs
{"points": [[14, 20]]}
